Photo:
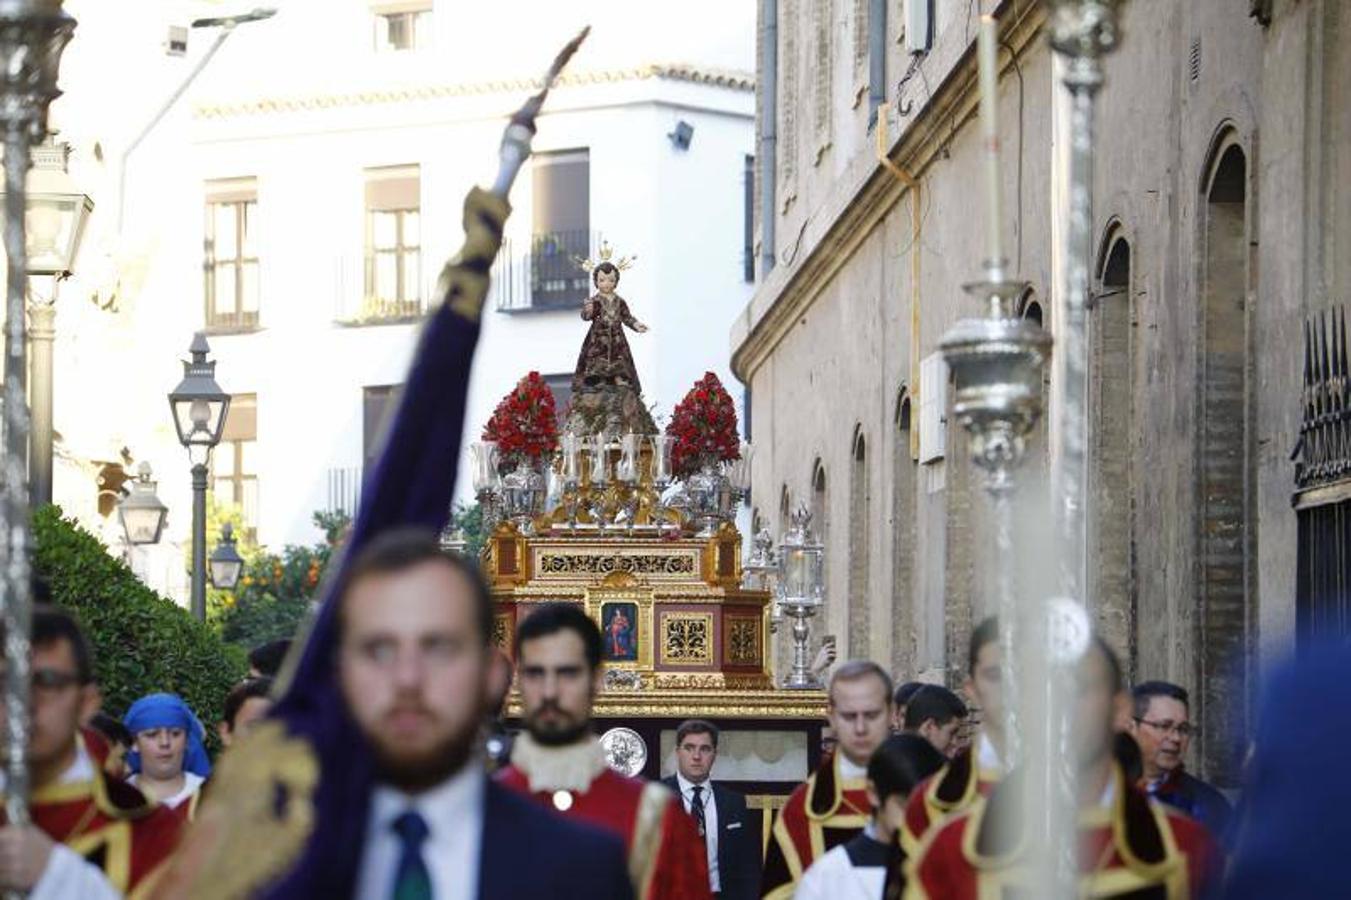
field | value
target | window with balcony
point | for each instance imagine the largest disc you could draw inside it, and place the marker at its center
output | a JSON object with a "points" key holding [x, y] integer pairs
{"points": [[561, 188], [234, 463], [393, 288], [231, 262], [402, 26]]}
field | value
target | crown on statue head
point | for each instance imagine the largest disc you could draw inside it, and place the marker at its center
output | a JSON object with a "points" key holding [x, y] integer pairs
{"points": [[605, 255]]}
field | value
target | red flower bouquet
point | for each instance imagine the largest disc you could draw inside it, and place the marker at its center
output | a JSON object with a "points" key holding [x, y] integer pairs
{"points": [[703, 425], [525, 423]]}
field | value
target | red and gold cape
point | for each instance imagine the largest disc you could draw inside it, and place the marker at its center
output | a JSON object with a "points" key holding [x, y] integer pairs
{"points": [[110, 823], [667, 859], [951, 789], [824, 811], [1131, 847]]}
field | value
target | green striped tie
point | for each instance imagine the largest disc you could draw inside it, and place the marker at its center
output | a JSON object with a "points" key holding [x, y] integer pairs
{"points": [[412, 881]]}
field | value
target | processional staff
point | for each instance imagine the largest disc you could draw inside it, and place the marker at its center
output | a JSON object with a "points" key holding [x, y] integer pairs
{"points": [[997, 362], [33, 34]]}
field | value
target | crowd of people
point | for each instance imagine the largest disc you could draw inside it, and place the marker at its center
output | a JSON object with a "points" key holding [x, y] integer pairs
{"points": [[427, 795]]}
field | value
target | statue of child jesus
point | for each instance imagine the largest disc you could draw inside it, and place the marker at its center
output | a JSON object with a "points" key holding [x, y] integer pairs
{"points": [[605, 358]]}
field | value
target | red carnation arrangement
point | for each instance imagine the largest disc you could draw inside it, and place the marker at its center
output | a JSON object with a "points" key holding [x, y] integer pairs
{"points": [[704, 423], [525, 423]]}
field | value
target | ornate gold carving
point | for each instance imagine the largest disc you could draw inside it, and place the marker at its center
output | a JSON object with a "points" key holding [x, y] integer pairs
{"points": [[623, 680], [709, 681], [598, 564], [504, 631], [716, 703], [687, 638], [619, 581], [741, 645]]}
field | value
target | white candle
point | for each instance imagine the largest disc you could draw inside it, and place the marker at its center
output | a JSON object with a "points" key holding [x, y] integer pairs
{"points": [[987, 49]]}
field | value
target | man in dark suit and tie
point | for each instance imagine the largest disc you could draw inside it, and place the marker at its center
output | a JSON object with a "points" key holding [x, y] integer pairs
{"points": [[406, 663], [719, 813]]}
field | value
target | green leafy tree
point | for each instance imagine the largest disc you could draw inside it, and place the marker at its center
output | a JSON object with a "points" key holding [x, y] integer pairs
{"points": [[468, 520], [275, 591], [142, 642]]}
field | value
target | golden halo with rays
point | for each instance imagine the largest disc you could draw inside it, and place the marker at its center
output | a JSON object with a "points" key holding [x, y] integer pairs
{"points": [[605, 255]]}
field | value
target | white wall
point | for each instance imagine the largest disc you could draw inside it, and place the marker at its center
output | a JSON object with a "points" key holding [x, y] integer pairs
{"points": [[680, 212]]}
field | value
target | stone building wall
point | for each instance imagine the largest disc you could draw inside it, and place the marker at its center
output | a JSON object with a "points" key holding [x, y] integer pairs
{"points": [[1221, 138]]}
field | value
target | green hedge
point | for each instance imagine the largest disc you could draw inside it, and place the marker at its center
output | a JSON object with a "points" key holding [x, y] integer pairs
{"points": [[142, 642]]}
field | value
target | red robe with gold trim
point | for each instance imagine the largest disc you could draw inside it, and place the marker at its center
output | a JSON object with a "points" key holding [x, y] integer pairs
{"points": [[824, 811], [951, 789], [110, 823], [667, 858], [1134, 847]]}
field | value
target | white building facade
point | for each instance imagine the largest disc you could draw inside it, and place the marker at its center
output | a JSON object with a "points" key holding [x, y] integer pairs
{"points": [[300, 200]]}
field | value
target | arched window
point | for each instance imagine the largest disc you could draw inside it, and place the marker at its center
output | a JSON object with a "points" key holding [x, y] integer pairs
{"points": [[904, 475], [785, 511], [819, 525], [1227, 545], [860, 524], [1112, 436], [1029, 307]]}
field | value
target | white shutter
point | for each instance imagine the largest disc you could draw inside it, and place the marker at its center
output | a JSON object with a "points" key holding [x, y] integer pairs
{"points": [[933, 407]]}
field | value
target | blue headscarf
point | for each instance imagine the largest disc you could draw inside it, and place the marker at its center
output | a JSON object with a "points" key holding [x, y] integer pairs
{"points": [[168, 711]]}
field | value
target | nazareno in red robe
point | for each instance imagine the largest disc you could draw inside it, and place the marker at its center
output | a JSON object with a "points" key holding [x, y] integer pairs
{"points": [[824, 811], [949, 790], [667, 859], [110, 823], [1132, 847]]}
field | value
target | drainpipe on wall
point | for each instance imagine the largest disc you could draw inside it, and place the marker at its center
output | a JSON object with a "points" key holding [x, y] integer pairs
{"points": [[769, 117], [877, 57]]}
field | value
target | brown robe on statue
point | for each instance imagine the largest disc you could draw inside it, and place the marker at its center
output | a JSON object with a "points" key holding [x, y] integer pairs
{"points": [[605, 358]]}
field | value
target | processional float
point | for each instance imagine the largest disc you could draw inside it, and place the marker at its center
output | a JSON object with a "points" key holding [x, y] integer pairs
{"points": [[637, 525]]}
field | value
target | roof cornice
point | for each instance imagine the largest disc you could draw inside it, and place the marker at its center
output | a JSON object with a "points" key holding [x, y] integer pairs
{"points": [[730, 79]]}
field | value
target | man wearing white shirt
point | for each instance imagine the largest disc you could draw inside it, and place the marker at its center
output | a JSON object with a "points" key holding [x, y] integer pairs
{"points": [[453, 816], [410, 656], [413, 664], [719, 813]]}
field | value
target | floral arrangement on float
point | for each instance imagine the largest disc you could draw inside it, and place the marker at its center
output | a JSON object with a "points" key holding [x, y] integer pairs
{"points": [[703, 431], [520, 434], [524, 426], [703, 428]]}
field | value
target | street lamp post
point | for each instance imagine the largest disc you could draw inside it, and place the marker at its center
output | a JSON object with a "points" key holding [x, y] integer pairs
{"points": [[55, 213], [199, 407], [226, 563], [33, 34], [141, 512]]}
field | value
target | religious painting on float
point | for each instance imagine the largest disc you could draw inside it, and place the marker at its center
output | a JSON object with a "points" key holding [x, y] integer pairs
{"points": [[619, 631]]}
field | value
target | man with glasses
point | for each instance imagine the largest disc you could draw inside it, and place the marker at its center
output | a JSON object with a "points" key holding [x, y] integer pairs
{"points": [[1161, 726], [93, 835]]}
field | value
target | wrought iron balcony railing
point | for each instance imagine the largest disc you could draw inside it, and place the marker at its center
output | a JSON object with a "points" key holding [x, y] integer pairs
{"points": [[344, 490], [544, 276], [360, 300]]}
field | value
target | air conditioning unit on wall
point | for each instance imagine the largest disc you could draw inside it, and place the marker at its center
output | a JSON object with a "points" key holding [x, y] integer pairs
{"points": [[918, 18]]}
